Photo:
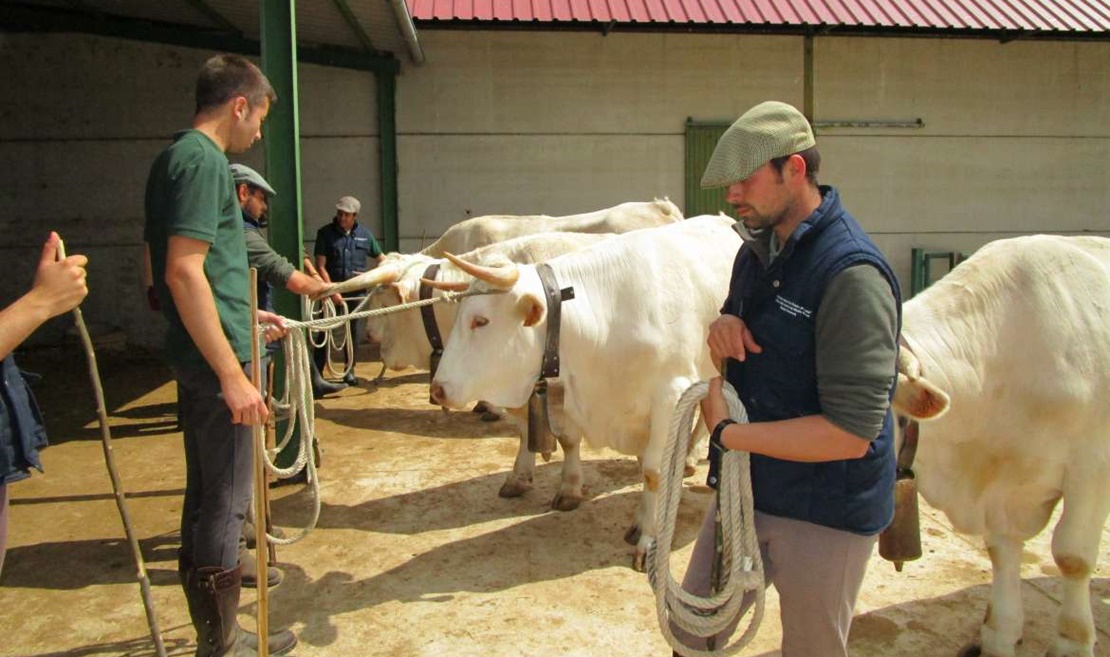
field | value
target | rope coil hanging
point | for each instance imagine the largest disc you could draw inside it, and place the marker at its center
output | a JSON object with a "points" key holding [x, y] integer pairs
{"points": [[296, 403], [740, 565]]}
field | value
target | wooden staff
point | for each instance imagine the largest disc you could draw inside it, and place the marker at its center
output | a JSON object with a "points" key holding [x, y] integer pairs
{"points": [[258, 435], [117, 487], [271, 439]]}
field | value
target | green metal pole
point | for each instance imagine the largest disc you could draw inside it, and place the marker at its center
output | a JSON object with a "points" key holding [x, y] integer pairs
{"points": [[387, 131], [283, 161]]}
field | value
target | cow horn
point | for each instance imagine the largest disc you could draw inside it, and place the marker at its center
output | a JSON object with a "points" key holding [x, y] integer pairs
{"points": [[457, 286], [503, 277], [372, 278]]}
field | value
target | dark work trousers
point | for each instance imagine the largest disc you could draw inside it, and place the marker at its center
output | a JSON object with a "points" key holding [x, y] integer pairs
{"points": [[219, 469]]}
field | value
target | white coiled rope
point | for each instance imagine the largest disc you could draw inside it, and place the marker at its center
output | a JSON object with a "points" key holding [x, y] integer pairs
{"points": [[296, 403], [741, 567]]}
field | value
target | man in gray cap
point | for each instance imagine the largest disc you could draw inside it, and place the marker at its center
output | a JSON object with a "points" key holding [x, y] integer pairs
{"points": [[345, 249], [273, 269], [810, 329]]}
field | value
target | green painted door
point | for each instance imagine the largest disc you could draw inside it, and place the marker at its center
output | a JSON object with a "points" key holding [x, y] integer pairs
{"points": [[701, 138]]}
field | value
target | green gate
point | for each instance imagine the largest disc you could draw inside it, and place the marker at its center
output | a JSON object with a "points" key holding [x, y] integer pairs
{"points": [[701, 138]]}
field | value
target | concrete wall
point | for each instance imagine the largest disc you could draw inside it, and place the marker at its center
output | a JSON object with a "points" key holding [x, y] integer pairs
{"points": [[1014, 139], [83, 117]]}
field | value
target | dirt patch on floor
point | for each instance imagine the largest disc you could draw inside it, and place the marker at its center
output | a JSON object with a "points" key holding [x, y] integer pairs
{"points": [[414, 552]]}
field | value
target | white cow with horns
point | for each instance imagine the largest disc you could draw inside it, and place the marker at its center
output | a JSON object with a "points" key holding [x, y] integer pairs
{"points": [[476, 232], [404, 341], [1006, 364], [632, 339]]}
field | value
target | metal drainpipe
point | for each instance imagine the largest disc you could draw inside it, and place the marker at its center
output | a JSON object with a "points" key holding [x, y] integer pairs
{"points": [[404, 21]]}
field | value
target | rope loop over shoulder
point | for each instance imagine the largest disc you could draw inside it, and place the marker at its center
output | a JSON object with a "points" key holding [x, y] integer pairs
{"points": [[741, 567]]}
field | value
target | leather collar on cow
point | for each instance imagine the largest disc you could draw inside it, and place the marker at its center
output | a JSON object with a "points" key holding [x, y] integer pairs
{"points": [[428, 314], [555, 297], [908, 451]]}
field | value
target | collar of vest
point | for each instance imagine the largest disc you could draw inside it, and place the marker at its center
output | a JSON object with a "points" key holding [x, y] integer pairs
{"points": [[818, 220], [555, 298]]}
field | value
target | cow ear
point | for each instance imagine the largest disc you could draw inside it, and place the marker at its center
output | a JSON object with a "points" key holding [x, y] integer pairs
{"points": [[532, 309], [920, 399], [401, 292]]}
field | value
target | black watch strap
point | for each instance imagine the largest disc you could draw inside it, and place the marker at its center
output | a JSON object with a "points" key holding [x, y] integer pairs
{"points": [[715, 436]]}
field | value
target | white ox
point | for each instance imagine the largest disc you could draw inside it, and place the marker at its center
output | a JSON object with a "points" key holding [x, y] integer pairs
{"points": [[476, 232], [631, 341], [1006, 364], [404, 342]]}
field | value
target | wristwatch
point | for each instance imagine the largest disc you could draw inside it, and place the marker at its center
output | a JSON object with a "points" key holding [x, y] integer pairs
{"points": [[715, 436]]}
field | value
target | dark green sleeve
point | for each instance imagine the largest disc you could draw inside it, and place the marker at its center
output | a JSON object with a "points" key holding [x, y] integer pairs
{"points": [[197, 190], [271, 266], [857, 338]]}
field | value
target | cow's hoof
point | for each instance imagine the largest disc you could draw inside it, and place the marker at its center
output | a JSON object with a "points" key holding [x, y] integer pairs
{"points": [[565, 502], [639, 560], [480, 407], [688, 470], [514, 488], [546, 456], [970, 650], [632, 536]]}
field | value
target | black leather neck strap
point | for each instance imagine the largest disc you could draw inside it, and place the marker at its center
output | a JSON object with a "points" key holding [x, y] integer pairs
{"points": [[555, 298], [427, 313]]}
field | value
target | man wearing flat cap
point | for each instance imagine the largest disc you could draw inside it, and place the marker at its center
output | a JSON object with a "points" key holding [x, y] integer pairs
{"points": [[345, 249], [809, 329]]}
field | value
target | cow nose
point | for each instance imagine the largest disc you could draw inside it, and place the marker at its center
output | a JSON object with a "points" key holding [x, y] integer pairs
{"points": [[437, 394]]}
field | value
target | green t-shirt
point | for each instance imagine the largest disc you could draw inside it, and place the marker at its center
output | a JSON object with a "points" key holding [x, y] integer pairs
{"points": [[189, 192]]}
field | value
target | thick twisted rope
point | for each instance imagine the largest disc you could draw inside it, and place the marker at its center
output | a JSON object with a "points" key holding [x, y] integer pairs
{"points": [[741, 567]]}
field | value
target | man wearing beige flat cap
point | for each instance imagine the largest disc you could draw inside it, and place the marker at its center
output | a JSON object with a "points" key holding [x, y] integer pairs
{"points": [[345, 249], [809, 330]]}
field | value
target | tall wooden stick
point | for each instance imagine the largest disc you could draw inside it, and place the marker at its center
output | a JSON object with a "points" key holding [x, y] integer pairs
{"points": [[270, 438], [259, 486], [117, 487]]}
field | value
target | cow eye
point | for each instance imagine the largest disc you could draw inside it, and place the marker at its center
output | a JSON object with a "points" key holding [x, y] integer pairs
{"points": [[478, 322]]}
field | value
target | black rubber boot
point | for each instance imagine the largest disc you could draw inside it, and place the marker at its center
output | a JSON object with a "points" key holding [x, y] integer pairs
{"points": [[321, 386], [249, 567], [213, 596]]}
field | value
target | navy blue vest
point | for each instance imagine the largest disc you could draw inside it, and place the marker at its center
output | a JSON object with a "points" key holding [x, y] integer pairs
{"points": [[22, 433], [779, 305]]}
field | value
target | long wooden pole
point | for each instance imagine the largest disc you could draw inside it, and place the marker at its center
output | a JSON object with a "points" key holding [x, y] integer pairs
{"points": [[258, 435], [117, 487]]}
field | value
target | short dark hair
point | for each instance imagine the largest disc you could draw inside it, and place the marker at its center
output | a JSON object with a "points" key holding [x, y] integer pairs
{"points": [[812, 159], [226, 76]]}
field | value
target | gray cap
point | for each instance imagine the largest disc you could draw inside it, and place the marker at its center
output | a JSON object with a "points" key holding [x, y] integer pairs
{"points": [[241, 173], [348, 204], [766, 131]]}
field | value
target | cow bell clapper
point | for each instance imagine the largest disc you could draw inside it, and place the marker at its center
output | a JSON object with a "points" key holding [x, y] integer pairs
{"points": [[541, 440], [901, 541]]}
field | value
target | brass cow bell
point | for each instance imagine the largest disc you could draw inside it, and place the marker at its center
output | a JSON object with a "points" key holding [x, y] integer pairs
{"points": [[901, 541], [541, 440]]}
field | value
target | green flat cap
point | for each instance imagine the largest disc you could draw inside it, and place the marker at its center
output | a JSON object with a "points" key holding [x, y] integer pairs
{"points": [[766, 131], [241, 173]]}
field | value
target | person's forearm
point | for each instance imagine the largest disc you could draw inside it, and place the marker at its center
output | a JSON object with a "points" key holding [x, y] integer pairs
{"points": [[809, 439], [19, 320], [193, 297], [301, 283]]}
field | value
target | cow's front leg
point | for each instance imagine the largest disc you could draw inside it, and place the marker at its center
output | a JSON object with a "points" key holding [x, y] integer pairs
{"points": [[1004, 619], [662, 409], [520, 479], [570, 495], [1075, 549]]}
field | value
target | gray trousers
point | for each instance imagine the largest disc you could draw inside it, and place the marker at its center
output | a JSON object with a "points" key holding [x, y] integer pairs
{"points": [[816, 570], [219, 467]]}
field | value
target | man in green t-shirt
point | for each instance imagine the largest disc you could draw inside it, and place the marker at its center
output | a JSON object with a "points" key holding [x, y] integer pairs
{"points": [[200, 275]]}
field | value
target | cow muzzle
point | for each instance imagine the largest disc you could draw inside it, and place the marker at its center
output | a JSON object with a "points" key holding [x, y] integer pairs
{"points": [[438, 394]]}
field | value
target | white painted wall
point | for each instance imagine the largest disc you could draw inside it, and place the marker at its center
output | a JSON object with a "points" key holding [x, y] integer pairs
{"points": [[1015, 137]]}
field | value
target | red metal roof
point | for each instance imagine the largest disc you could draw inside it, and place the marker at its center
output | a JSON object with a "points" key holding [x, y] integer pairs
{"points": [[1074, 16]]}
